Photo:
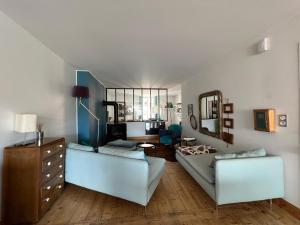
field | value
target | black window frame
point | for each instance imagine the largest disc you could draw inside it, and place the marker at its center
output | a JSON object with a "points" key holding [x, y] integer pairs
{"points": [[150, 89]]}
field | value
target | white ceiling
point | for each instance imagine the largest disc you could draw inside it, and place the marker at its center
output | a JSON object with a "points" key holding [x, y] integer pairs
{"points": [[148, 43]]}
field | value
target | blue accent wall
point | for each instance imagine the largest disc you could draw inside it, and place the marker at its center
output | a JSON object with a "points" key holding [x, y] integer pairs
{"points": [[87, 124]]}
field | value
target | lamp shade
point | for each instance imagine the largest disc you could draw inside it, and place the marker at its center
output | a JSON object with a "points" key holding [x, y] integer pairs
{"points": [[80, 92], [25, 123]]}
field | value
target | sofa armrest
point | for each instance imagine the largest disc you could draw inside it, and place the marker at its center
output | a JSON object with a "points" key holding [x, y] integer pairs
{"points": [[249, 179]]}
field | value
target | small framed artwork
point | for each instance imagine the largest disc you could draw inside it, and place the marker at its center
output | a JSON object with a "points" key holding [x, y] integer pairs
{"points": [[228, 108], [227, 137], [228, 123], [190, 109]]}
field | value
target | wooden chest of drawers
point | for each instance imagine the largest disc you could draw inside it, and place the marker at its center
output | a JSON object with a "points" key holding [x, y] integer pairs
{"points": [[33, 178]]}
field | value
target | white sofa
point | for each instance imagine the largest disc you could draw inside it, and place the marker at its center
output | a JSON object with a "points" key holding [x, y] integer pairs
{"points": [[236, 180], [131, 179]]}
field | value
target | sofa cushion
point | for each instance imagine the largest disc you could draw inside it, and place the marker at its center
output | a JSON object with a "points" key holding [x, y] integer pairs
{"points": [[261, 152], [138, 154], [200, 164], [81, 147], [122, 143], [156, 167]]}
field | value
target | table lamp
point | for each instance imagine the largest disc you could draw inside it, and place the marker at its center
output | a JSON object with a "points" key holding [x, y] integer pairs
{"points": [[83, 92], [25, 123]]}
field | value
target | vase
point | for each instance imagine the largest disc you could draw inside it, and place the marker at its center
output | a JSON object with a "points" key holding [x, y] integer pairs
{"points": [[39, 137]]}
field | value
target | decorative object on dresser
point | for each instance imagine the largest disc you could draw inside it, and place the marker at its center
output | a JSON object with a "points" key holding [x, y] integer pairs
{"points": [[39, 134], [33, 178], [83, 92], [25, 123], [264, 120]]}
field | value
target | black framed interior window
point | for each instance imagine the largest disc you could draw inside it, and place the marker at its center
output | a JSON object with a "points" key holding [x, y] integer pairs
{"points": [[138, 104]]}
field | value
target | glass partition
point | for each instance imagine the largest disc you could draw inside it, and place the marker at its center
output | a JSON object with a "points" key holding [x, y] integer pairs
{"points": [[154, 105], [138, 104], [129, 104], [163, 99], [146, 104]]}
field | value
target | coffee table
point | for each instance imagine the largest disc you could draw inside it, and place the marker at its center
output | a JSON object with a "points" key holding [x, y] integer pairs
{"points": [[147, 145]]}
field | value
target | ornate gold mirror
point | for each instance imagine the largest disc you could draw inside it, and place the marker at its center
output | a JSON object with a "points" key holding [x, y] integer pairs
{"points": [[211, 113]]}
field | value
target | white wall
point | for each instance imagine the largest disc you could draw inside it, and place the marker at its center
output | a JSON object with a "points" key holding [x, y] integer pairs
{"points": [[136, 129], [33, 80], [253, 81]]}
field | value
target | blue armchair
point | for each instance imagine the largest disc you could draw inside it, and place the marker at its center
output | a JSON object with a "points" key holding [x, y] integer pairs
{"points": [[170, 136]]}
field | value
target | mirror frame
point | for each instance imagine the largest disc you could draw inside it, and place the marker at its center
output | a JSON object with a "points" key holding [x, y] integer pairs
{"points": [[193, 125], [220, 113]]}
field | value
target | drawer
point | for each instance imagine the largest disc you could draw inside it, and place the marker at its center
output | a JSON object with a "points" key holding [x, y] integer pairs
{"points": [[55, 182], [56, 172], [52, 149], [50, 162], [49, 199]]}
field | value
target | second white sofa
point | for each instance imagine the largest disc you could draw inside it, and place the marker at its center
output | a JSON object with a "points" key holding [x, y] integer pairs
{"points": [[131, 179]]}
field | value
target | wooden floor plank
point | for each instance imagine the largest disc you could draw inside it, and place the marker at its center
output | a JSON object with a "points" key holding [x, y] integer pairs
{"points": [[178, 200]]}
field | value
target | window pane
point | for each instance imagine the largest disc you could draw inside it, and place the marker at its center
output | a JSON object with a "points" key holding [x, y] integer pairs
{"points": [[163, 104], [138, 104], [120, 95], [154, 104], [111, 95], [146, 104], [110, 114], [129, 104], [121, 112]]}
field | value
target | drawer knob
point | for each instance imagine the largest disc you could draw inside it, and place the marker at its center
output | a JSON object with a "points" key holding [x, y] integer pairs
{"points": [[48, 151], [47, 199], [49, 163], [60, 166], [61, 155], [48, 175], [60, 146], [49, 187], [61, 176], [59, 186]]}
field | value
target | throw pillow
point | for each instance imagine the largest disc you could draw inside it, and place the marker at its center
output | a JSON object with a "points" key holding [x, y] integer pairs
{"points": [[81, 147], [123, 153], [122, 143], [221, 156], [261, 152]]}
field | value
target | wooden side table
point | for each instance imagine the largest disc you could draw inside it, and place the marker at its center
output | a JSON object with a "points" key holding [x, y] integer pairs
{"points": [[186, 141], [147, 145]]}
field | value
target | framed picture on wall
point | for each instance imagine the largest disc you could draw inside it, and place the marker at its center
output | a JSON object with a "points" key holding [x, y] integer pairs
{"points": [[228, 123], [190, 109], [228, 108]]}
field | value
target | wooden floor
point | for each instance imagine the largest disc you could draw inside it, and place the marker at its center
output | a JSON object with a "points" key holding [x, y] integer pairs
{"points": [[178, 199]]}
